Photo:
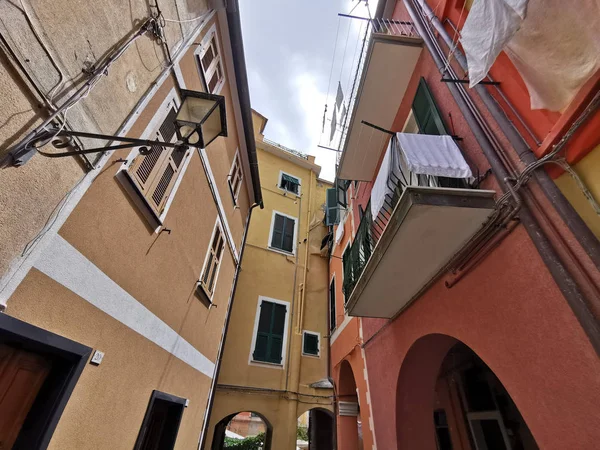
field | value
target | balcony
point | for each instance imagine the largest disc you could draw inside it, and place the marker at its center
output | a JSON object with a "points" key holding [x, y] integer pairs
{"points": [[386, 66], [422, 222]]}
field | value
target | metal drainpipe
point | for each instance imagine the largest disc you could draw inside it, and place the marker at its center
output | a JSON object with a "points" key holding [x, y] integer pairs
{"points": [[213, 385], [587, 239], [557, 269]]}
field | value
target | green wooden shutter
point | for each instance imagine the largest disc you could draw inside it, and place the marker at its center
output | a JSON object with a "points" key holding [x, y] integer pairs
{"points": [[269, 336], [426, 113], [288, 235], [332, 215], [277, 238], [310, 345]]}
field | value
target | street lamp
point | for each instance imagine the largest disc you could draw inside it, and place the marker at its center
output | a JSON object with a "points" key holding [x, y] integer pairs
{"points": [[199, 121]]}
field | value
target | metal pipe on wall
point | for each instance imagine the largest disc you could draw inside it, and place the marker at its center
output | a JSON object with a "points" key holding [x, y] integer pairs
{"points": [[552, 260], [572, 219]]}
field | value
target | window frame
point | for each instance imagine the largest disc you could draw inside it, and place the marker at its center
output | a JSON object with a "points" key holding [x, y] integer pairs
{"points": [[281, 173], [156, 395], [126, 180], [237, 162], [346, 248], [314, 333], [200, 52], [251, 360], [199, 284], [294, 243], [332, 305]]}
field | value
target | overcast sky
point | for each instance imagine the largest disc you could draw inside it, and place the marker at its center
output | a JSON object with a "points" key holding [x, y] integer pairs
{"points": [[289, 47]]}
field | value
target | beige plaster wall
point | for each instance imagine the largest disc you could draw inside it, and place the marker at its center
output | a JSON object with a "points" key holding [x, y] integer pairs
{"points": [[108, 404]]}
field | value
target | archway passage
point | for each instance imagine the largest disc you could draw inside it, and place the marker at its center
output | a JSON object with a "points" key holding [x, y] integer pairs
{"points": [[449, 399], [316, 430], [244, 430], [349, 424]]}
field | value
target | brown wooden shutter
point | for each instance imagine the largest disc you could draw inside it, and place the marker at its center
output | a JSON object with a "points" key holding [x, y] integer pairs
{"points": [[155, 174]]}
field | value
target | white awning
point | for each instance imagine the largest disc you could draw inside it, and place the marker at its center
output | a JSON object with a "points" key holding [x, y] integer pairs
{"points": [[554, 46], [433, 155]]}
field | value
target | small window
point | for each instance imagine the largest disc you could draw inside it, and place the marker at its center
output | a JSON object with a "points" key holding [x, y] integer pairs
{"points": [[161, 422], [342, 188], [208, 279], [283, 229], [235, 178], [210, 64], [332, 317], [289, 183], [347, 267], [332, 210], [268, 345], [310, 343], [154, 175]]}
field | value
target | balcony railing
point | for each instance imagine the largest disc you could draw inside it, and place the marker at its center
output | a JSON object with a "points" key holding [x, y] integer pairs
{"points": [[371, 229], [286, 149], [386, 27]]}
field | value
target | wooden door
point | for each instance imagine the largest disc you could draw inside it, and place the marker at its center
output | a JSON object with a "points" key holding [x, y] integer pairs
{"points": [[21, 377]]}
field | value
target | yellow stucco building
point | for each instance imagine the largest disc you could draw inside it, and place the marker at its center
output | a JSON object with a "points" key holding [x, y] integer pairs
{"points": [[275, 361]]}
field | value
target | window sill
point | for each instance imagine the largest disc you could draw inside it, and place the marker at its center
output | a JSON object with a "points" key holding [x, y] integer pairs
{"points": [[310, 355], [266, 364], [283, 252], [203, 296], [285, 191]]}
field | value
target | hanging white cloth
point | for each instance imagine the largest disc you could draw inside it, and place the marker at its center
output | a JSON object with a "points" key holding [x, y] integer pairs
{"points": [[555, 46], [381, 186], [433, 155], [339, 232]]}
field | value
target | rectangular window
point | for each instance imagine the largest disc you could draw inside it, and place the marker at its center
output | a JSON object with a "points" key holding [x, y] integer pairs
{"points": [[161, 422], [235, 178], [283, 229], [347, 266], [208, 279], [154, 174], [289, 183], [332, 317], [310, 343], [268, 345], [209, 62]]}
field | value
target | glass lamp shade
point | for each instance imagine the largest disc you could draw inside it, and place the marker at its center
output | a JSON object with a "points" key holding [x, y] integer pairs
{"points": [[201, 118]]}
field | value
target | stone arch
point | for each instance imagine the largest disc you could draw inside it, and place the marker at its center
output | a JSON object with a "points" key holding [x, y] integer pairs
{"points": [[220, 427], [349, 434], [430, 362]]}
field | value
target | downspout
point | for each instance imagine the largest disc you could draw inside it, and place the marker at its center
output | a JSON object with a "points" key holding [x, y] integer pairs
{"points": [[213, 385], [241, 82], [557, 269], [587, 239]]}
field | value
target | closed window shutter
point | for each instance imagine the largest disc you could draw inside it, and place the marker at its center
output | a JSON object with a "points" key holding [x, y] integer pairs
{"points": [[288, 235], [155, 174], [426, 113], [277, 238], [332, 318], [235, 178], [332, 215], [269, 336], [210, 63], [215, 251]]}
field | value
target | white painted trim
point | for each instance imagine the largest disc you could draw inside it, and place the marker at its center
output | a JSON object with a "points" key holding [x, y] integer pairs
{"points": [[340, 329], [366, 377], [251, 361], [67, 266], [230, 241], [281, 172], [219, 227], [314, 333], [20, 266], [179, 76], [294, 243], [199, 53]]}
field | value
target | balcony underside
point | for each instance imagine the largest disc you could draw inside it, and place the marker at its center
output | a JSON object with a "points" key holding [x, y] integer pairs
{"points": [[390, 63], [427, 228]]}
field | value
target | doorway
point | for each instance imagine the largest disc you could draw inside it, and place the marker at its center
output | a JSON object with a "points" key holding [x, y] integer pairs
{"points": [[161, 422]]}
